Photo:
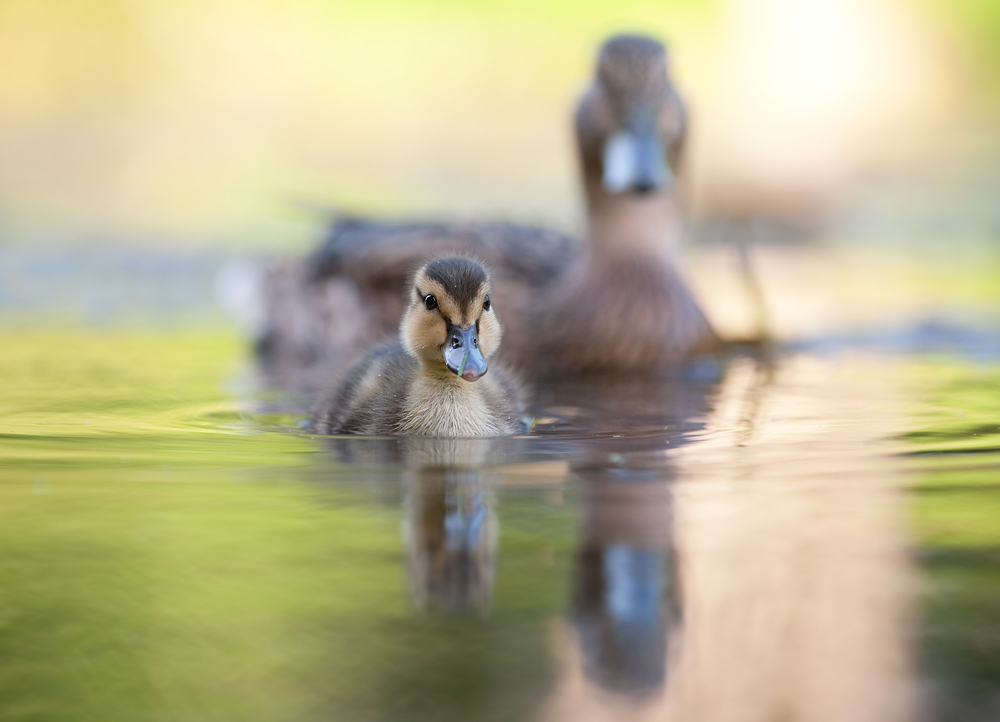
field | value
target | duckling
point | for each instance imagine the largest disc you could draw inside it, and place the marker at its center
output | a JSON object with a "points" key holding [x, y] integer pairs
{"points": [[431, 381], [617, 301]]}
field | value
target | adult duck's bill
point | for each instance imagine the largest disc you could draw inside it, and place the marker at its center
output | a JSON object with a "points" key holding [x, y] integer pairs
{"points": [[635, 162], [462, 354]]}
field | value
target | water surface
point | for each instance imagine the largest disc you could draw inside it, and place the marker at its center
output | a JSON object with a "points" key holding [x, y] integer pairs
{"points": [[807, 538]]}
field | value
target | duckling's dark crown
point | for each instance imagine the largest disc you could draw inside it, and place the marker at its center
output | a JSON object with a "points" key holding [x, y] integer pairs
{"points": [[462, 278]]}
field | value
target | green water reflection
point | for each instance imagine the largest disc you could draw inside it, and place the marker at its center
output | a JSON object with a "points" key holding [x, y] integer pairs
{"points": [[956, 512], [161, 559], [166, 554]]}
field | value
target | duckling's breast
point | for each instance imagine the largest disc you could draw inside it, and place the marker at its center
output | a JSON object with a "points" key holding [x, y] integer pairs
{"points": [[442, 406]]}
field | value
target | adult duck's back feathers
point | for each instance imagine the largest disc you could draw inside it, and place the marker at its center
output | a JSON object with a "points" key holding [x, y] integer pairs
{"points": [[351, 292]]}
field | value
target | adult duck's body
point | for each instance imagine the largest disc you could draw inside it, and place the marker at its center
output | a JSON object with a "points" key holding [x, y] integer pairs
{"points": [[618, 301]]}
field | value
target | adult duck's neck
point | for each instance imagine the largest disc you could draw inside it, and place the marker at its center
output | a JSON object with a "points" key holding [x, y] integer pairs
{"points": [[632, 224]]}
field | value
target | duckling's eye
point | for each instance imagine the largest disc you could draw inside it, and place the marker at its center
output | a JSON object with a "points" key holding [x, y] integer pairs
{"points": [[430, 303], [486, 304]]}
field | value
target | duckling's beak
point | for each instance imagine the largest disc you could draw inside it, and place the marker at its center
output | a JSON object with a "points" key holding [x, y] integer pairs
{"points": [[462, 354], [635, 161]]}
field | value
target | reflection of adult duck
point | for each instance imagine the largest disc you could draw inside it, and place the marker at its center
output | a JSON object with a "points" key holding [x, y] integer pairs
{"points": [[626, 604], [617, 302]]}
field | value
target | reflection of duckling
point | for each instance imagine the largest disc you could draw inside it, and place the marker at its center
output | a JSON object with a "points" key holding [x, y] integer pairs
{"points": [[619, 301], [451, 539], [422, 384]]}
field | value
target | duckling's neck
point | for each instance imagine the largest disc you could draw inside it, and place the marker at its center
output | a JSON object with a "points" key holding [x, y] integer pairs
{"points": [[632, 224], [442, 404]]}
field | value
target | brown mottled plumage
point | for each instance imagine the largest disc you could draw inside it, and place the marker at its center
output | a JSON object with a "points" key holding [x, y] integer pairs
{"points": [[431, 382], [625, 305], [351, 293], [618, 302]]}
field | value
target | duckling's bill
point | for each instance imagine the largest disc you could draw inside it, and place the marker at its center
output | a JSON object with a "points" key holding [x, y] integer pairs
{"points": [[462, 354]]}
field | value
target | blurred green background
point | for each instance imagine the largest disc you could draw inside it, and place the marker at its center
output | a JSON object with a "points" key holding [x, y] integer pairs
{"points": [[228, 122]]}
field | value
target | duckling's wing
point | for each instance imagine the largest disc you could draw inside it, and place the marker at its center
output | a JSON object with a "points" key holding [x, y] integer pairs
{"points": [[369, 397]]}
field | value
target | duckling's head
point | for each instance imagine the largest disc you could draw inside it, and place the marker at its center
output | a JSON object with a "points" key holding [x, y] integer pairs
{"points": [[450, 322], [630, 124]]}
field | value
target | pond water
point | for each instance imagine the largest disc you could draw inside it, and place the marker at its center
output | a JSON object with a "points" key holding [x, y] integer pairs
{"points": [[808, 536]]}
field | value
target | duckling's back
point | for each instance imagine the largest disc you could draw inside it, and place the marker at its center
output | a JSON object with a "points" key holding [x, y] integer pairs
{"points": [[371, 397]]}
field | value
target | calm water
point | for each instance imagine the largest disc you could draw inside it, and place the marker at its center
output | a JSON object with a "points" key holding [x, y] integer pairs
{"points": [[811, 538]]}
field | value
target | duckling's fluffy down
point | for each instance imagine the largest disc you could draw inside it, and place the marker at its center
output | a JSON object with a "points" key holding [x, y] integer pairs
{"points": [[389, 393]]}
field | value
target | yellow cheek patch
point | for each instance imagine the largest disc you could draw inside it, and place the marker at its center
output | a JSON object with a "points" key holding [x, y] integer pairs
{"points": [[430, 331], [489, 332]]}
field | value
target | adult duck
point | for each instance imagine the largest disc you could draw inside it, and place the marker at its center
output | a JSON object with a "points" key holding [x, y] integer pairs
{"points": [[616, 302]]}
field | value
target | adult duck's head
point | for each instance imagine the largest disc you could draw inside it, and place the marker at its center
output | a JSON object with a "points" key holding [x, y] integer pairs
{"points": [[630, 124], [450, 324]]}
